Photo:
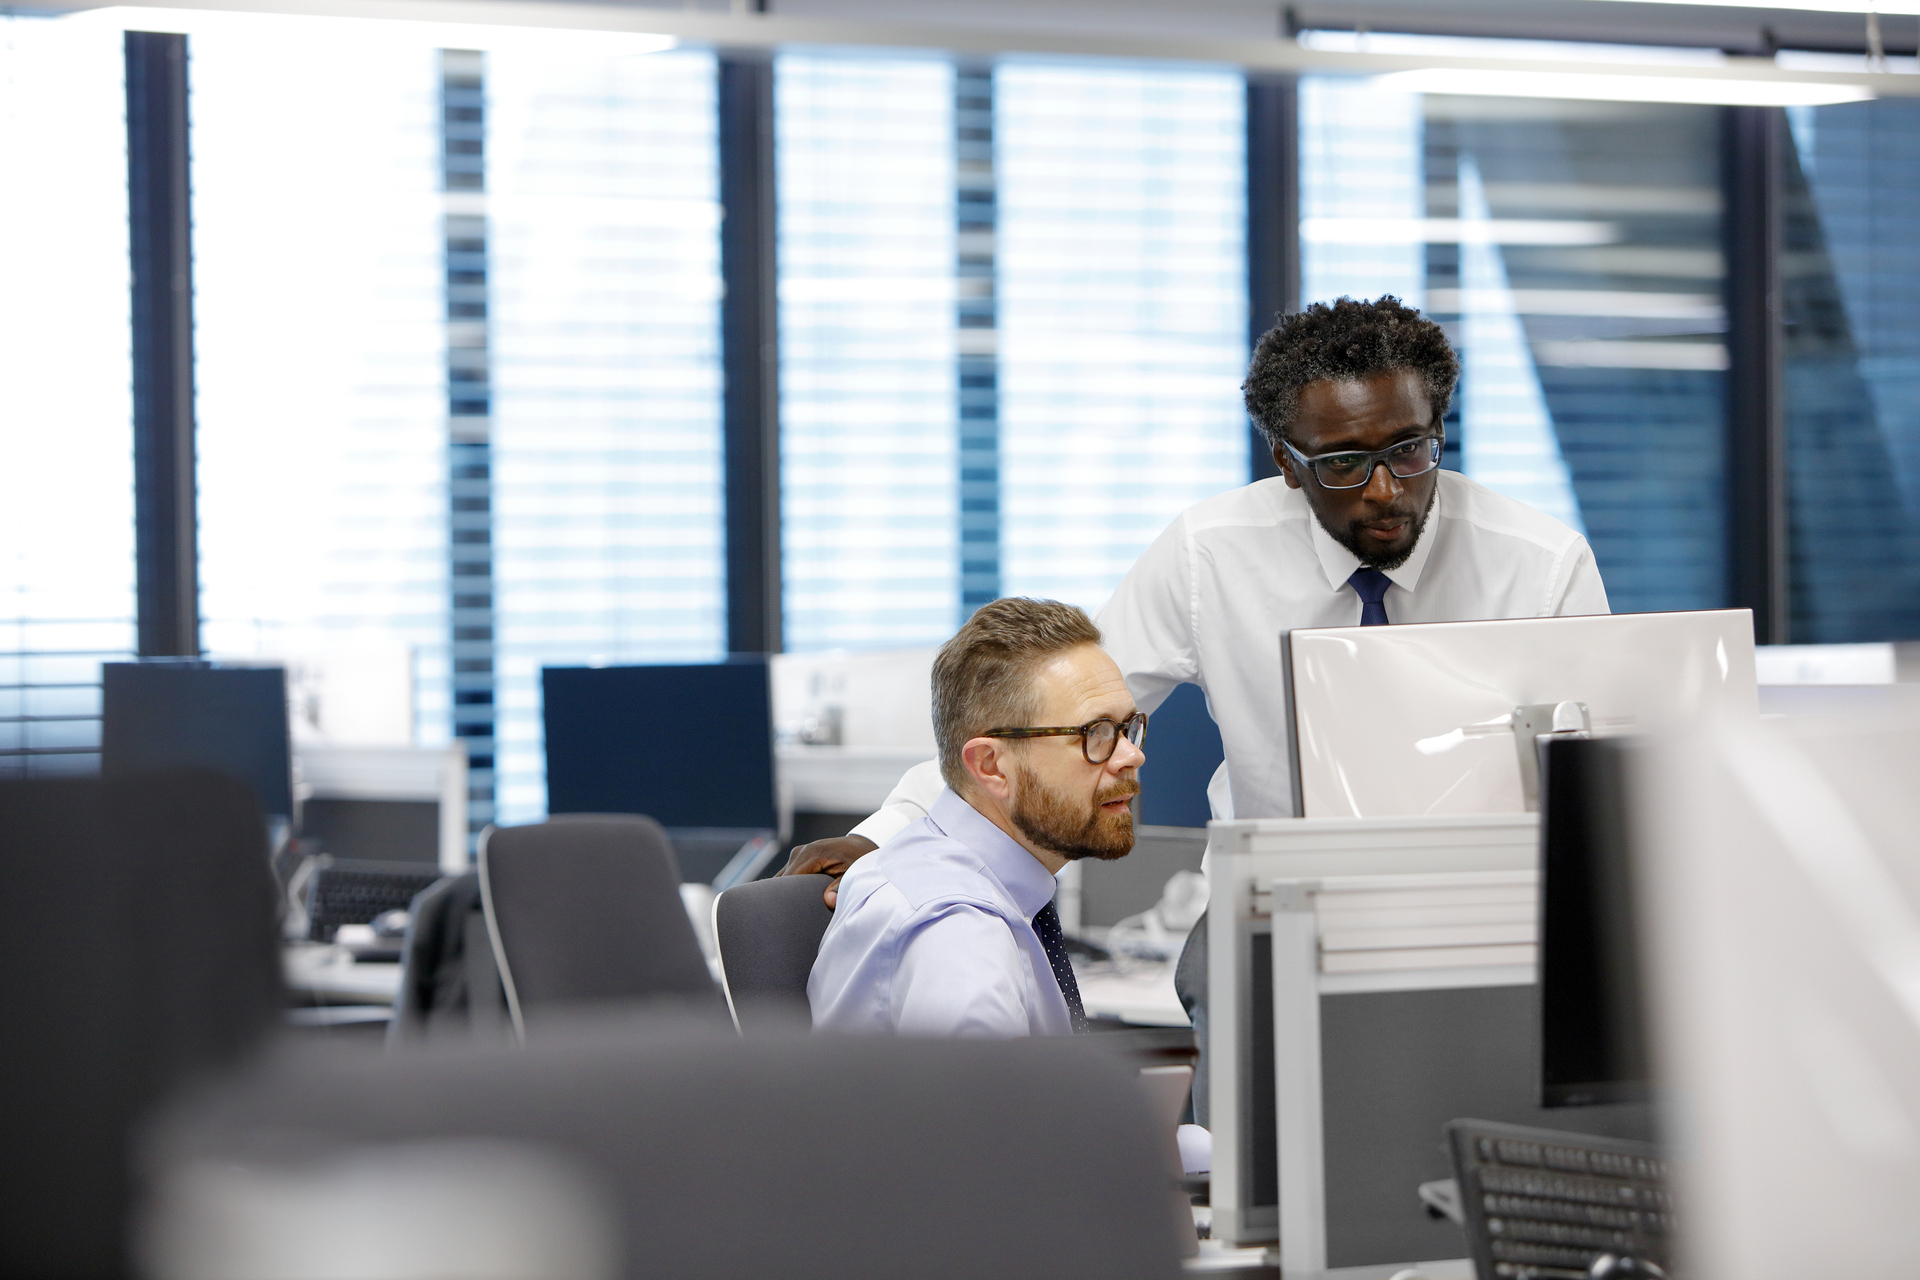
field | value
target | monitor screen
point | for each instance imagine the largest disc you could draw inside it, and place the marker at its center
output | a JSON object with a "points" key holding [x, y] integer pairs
{"points": [[689, 746], [172, 715], [1416, 720], [1592, 1034], [1183, 750]]}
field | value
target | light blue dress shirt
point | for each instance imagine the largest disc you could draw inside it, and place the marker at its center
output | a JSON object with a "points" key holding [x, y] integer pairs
{"points": [[934, 936]]}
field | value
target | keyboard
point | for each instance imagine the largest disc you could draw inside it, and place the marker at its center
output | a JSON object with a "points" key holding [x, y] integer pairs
{"points": [[349, 891], [1540, 1204]]}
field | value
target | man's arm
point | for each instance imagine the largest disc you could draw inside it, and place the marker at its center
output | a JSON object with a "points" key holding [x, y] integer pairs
{"points": [[1147, 627], [909, 801], [1584, 593], [961, 975]]}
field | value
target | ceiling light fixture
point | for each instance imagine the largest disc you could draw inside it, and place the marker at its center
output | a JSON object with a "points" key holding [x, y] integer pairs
{"points": [[1617, 87]]}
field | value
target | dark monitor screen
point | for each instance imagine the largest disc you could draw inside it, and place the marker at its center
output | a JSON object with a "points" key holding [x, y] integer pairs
{"points": [[689, 746], [172, 715], [1592, 1037], [1183, 750]]}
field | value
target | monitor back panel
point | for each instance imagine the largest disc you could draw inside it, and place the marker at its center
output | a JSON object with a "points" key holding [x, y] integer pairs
{"points": [[689, 746], [1405, 720]]}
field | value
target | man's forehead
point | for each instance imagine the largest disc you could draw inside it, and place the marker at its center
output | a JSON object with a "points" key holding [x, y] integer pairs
{"points": [[1396, 396], [1084, 679]]}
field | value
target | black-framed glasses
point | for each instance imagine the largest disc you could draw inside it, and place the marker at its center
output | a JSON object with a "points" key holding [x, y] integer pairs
{"points": [[1353, 468], [1098, 738]]}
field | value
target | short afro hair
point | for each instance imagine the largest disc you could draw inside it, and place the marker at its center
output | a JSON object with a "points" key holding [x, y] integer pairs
{"points": [[1344, 341]]}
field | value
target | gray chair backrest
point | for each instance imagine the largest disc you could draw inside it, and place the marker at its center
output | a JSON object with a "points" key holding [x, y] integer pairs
{"points": [[945, 1158], [768, 933], [588, 909]]}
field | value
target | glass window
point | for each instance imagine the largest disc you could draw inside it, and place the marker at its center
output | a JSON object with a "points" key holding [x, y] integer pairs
{"points": [[320, 342], [608, 524], [66, 487], [1572, 251], [1123, 312], [1851, 277], [865, 186]]}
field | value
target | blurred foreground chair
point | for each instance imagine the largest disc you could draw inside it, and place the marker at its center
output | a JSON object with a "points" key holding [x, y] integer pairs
{"points": [[138, 953], [588, 909], [637, 1147], [768, 933]]}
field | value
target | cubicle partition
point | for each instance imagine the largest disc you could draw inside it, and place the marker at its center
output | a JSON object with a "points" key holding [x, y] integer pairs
{"points": [[1379, 982]]}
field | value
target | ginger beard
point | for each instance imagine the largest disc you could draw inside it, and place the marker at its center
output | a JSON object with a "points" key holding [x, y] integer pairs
{"points": [[1072, 827]]}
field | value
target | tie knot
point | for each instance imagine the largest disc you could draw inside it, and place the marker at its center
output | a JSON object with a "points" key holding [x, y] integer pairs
{"points": [[1370, 585]]}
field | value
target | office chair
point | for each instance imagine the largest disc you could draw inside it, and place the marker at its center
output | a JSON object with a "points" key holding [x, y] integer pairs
{"points": [[588, 909], [449, 981], [768, 933], [698, 1155], [139, 956]]}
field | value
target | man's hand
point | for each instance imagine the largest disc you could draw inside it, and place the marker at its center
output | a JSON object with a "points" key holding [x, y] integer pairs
{"points": [[832, 855]]}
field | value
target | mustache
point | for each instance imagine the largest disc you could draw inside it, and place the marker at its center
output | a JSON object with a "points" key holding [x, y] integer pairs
{"points": [[1121, 790]]}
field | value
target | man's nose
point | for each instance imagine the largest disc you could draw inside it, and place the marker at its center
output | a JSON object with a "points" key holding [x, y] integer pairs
{"points": [[1382, 486], [1125, 756]]}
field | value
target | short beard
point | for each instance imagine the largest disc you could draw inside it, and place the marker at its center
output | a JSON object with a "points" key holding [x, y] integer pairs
{"points": [[1059, 826], [1351, 540]]}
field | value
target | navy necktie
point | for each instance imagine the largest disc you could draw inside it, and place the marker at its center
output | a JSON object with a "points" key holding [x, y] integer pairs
{"points": [[1046, 923], [1371, 586]]}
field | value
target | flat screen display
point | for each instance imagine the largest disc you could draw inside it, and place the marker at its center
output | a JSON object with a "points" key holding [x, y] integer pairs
{"points": [[689, 746], [174, 715]]}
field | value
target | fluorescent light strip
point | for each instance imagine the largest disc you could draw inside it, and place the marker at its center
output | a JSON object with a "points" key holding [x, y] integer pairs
{"points": [[1457, 231], [1614, 87], [1884, 8]]}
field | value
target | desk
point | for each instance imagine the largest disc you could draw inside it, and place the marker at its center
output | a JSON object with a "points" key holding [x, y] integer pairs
{"points": [[330, 975], [1143, 997]]}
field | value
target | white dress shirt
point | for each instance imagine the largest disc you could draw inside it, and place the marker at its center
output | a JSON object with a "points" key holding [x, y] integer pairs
{"points": [[934, 935], [1206, 604]]}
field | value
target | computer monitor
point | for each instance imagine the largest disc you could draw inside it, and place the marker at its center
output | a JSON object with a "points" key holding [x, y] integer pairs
{"points": [[1592, 1035], [1417, 719], [179, 714], [1183, 750], [689, 746]]}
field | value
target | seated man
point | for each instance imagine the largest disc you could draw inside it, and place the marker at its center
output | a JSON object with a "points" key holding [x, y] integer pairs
{"points": [[950, 929]]}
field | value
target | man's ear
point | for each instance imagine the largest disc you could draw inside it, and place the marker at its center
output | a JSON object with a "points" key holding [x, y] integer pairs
{"points": [[987, 764], [1284, 460]]}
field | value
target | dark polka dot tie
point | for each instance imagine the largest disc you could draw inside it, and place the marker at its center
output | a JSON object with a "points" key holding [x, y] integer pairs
{"points": [[1047, 925]]}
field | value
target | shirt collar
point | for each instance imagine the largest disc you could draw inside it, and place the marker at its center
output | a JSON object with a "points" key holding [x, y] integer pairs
{"points": [[1028, 884], [1338, 563]]}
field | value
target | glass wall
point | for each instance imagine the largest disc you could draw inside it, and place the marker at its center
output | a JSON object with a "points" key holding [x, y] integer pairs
{"points": [[319, 342], [607, 513], [1851, 277], [1122, 312], [869, 498], [1572, 251], [66, 482]]}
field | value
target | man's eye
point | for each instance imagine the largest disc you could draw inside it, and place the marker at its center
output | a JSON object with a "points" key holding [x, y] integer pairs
{"points": [[1343, 461], [1408, 449]]}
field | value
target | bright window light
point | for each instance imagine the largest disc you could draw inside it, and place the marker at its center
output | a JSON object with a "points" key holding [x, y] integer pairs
{"points": [[1611, 87]]}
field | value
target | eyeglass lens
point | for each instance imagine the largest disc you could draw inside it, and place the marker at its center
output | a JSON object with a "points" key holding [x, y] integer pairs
{"points": [[1349, 470], [1103, 736]]}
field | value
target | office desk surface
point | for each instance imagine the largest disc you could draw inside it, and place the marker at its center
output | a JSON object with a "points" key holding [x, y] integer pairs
{"points": [[1143, 997], [330, 975]]}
